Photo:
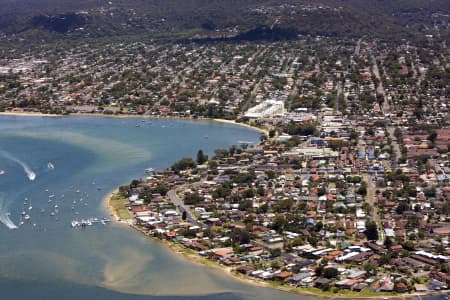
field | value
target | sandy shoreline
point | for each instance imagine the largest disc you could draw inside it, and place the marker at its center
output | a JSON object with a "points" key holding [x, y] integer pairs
{"points": [[194, 257], [124, 116]]}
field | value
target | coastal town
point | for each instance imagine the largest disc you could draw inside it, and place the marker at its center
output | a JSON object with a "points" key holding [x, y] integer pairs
{"points": [[348, 190]]}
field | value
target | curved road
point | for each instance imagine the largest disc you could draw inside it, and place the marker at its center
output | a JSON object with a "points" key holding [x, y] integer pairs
{"points": [[172, 194]]}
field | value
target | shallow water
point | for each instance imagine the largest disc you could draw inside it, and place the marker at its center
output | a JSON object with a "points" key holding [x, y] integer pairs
{"points": [[46, 259]]}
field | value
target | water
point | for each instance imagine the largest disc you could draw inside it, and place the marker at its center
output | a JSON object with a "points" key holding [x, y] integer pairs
{"points": [[46, 259]]}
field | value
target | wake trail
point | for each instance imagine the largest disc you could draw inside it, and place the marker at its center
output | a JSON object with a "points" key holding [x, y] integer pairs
{"points": [[30, 174], [4, 217]]}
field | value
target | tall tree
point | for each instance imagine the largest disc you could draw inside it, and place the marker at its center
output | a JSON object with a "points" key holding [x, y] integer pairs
{"points": [[201, 157], [371, 231]]}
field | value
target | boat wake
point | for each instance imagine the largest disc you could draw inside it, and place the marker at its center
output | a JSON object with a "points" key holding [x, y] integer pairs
{"points": [[4, 216], [30, 174]]}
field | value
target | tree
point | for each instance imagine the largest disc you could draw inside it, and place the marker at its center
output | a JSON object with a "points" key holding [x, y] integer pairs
{"points": [[371, 231], [402, 206], [388, 242], [183, 164], [201, 158], [432, 137], [330, 273], [161, 188], [192, 198]]}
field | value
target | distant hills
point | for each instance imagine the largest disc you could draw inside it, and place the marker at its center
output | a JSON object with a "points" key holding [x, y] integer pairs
{"points": [[223, 19]]}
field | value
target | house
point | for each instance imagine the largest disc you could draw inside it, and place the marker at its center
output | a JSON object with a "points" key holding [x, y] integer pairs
{"points": [[323, 282]]}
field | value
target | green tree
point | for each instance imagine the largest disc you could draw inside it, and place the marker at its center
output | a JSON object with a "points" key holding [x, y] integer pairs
{"points": [[371, 231], [201, 158], [183, 164], [330, 273]]}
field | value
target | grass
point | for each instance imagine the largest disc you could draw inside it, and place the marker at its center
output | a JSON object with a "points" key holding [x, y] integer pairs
{"points": [[118, 204]]}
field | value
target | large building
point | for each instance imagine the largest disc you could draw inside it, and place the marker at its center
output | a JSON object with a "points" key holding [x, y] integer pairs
{"points": [[266, 109]]}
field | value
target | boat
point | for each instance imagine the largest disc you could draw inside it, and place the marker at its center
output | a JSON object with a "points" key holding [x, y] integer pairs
{"points": [[50, 166], [27, 217], [51, 196], [30, 207], [2, 172], [149, 170], [52, 214]]}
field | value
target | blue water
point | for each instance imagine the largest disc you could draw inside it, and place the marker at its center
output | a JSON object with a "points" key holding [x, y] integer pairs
{"points": [[46, 259]]}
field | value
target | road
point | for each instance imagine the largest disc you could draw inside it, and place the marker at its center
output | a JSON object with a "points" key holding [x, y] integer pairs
{"points": [[397, 153], [380, 88], [190, 217], [371, 196]]}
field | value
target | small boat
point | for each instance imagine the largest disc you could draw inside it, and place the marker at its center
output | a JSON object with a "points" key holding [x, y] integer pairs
{"points": [[56, 206], [149, 170], [52, 214], [2, 172], [42, 211], [27, 217], [23, 213], [50, 166], [51, 196]]}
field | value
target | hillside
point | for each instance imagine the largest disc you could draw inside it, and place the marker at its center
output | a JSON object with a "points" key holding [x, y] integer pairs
{"points": [[221, 18]]}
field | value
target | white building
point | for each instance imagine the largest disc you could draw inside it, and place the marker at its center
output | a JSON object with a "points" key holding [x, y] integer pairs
{"points": [[266, 109]]}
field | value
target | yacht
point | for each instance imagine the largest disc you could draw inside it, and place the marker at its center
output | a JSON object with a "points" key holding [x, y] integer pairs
{"points": [[50, 166]]}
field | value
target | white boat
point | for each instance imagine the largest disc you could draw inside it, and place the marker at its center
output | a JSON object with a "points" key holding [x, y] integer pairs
{"points": [[30, 207], [149, 170], [50, 166], [2, 172], [27, 217]]}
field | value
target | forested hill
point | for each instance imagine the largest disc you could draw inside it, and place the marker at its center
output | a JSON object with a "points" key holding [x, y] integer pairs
{"points": [[223, 18]]}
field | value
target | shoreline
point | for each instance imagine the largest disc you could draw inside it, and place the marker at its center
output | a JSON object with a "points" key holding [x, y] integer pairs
{"points": [[195, 258], [130, 116]]}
